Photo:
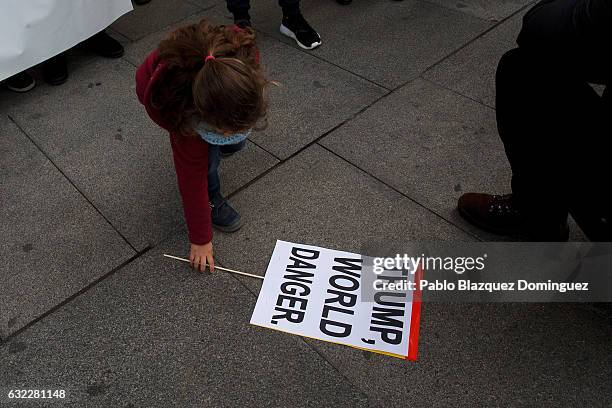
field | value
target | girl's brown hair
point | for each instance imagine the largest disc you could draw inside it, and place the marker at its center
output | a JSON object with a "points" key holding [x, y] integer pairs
{"points": [[228, 91]]}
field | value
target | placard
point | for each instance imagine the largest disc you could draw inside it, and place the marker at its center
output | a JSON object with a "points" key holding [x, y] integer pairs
{"points": [[328, 295]]}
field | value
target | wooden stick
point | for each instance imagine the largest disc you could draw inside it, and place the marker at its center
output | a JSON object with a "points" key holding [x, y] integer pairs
{"points": [[218, 267]]}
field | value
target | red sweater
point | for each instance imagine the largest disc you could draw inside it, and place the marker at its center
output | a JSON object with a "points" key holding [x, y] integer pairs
{"points": [[190, 157]]}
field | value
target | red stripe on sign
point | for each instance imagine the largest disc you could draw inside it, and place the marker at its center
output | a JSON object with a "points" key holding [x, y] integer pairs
{"points": [[415, 320]]}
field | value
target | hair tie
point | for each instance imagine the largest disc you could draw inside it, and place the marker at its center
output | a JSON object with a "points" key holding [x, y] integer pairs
{"points": [[209, 57]]}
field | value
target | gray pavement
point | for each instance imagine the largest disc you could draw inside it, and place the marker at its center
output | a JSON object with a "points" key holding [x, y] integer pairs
{"points": [[371, 139]]}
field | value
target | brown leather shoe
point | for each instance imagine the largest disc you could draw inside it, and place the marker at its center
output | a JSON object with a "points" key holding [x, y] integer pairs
{"points": [[499, 214]]}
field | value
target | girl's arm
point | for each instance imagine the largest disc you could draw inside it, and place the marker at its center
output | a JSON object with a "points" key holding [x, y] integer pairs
{"points": [[191, 164]]}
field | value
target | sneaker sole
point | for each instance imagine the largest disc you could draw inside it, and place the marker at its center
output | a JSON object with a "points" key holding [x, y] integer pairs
{"points": [[287, 32], [229, 228], [21, 90]]}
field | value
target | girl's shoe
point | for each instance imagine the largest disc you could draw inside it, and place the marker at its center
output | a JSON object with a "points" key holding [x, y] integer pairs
{"points": [[296, 27], [224, 217], [21, 82]]}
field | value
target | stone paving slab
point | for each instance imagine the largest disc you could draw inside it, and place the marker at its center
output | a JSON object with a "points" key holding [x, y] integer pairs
{"points": [[236, 171], [156, 334], [311, 99], [319, 199], [432, 144], [154, 16], [54, 243], [387, 42], [106, 144], [491, 355], [485, 9], [471, 71]]}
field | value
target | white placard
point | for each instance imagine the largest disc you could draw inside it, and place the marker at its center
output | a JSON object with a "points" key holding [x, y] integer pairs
{"points": [[327, 295], [32, 31]]}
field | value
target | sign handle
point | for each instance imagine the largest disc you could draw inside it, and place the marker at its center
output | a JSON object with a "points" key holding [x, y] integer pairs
{"points": [[218, 267]]}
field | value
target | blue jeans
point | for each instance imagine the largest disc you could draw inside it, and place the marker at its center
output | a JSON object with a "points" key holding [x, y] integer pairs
{"points": [[214, 158]]}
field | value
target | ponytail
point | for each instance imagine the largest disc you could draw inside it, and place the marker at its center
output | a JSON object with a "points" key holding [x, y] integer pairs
{"points": [[212, 74]]}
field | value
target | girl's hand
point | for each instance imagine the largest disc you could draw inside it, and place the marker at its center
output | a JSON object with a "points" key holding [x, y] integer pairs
{"points": [[200, 255]]}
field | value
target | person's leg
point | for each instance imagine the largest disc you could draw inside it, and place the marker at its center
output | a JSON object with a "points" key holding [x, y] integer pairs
{"points": [[55, 69], [590, 203], [528, 119], [549, 119], [224, 217], [240, 11], [551, 124], [104, 45], [568, 168], [214, 183], [229, 150], [290, 7], [530, 104], [295, 26]]}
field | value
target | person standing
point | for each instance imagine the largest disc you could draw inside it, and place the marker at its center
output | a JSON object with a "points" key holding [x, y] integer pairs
{"points": [[556, 130]]}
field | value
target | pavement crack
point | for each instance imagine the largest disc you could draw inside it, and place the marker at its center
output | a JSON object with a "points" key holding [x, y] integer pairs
{"points": [[75, 295], [313, 55], [456, 92], [303, 148], [477, 37], [423, 206]]}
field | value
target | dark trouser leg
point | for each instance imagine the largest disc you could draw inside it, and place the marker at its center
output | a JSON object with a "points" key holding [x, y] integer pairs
{"points": [[239, 8], [550, 123], [290, 7], [528, 121], [591, 203]]}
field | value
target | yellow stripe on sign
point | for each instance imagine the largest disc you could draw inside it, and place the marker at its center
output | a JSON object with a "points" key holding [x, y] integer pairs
{"points": [[334, 342]]}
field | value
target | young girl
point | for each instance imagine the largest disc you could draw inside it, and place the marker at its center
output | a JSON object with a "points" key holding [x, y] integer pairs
{"points": [[205, 86]]}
